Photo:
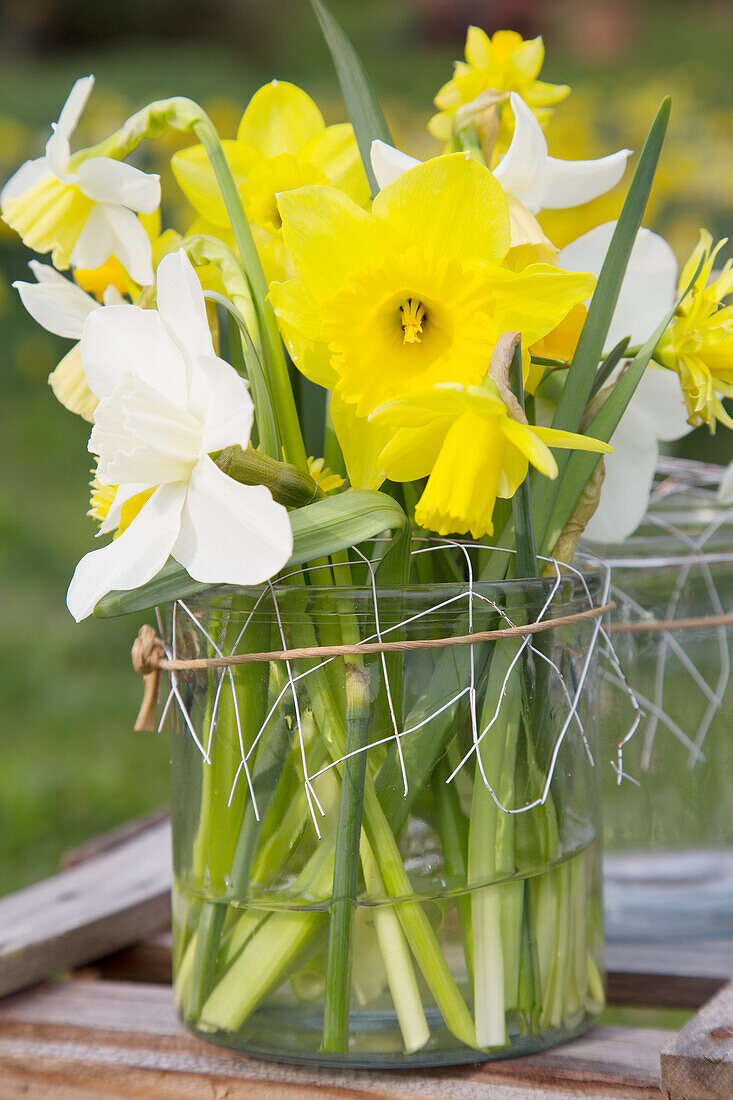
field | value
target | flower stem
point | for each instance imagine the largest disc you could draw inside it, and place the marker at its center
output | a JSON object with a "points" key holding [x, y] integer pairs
{"points": [[338, 971]]}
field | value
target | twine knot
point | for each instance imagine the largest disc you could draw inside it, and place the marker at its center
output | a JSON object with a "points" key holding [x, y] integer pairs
{"points": [[147, 649], [147, 652]]}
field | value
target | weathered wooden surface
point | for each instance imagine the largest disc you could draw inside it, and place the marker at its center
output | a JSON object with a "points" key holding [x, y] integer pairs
{"points": [[115, 898], [110, 1040], [668, 975], [698, 1063]]}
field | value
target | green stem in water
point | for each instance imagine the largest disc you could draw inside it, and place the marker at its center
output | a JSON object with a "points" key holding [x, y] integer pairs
{"points": [[453, 829], [522, 502], [346, 865], [400, 972]]}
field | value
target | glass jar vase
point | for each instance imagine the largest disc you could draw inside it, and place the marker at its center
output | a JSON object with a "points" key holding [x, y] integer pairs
{"points": [[668, 825], [386, 858]]}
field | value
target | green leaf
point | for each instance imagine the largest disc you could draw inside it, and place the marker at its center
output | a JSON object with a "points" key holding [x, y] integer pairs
{"points": [[583, 368], [602, 426], [364, 111], [522, 500], [319, 530], [264, 414]]}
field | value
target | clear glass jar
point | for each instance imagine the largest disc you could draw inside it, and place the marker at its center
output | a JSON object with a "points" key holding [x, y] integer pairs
{"points": [[668, 830], [471, 932]]}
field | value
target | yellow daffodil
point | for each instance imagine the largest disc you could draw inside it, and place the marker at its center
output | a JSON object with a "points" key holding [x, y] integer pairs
{"points": [[282, 143], [472, 448], [505, 62], [326, 480], [393, 301], [699, 342]]}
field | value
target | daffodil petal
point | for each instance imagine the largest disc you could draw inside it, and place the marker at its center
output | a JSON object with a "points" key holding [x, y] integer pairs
{"points": [[112, 230], [551, 293], [323, 258], [222, 399], [418, 409], [335, 152], [411, 453], [361, 443], [57, 304], [478, 48], [648, 288], [660, 396], [519, 168], [57, 146], [196, 178], [180, 303], [574, 182], [70, 387], [123, 340], [388, 163], [627, 483], [106, 180], [27, 176], [531, 446], [570, 441], [231, 533], [123, 493], [451, 205], [279, 118], [132, 559], [297, 317]]}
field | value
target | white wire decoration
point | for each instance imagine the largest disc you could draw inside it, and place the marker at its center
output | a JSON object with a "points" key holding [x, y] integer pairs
{"points": [[468, 596], [695, 483]]}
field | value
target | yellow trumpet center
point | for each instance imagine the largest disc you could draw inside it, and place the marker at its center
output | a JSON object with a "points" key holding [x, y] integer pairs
{"points": [[412, 315]]}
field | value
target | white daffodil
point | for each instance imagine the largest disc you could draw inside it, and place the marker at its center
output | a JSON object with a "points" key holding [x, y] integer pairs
{"points": [[61, 306], [82, 210], [530, 178], [538, 181], [657, 411], [166, 401]]}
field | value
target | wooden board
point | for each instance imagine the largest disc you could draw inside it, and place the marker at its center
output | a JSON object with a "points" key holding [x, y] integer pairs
{"points": [[698, 1063], [79, 1040], [667, 974], [115, 898]]}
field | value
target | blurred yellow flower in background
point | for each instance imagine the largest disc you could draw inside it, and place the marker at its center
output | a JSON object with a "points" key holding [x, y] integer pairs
{"points": [[505, 62]]}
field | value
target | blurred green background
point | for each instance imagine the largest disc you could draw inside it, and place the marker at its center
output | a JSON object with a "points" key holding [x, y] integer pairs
{"points": [[71, 765]]}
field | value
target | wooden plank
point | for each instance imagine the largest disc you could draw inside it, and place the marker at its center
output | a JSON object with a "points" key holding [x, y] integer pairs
{"points": [[698, 1063], [668, 974], [113, 838], [123, 1039], [111, 900]]}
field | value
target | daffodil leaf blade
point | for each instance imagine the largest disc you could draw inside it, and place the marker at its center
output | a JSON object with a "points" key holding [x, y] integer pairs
{"points": [[362, 104], [583, 368], [589, 351], [319, 530], [582, 463]]}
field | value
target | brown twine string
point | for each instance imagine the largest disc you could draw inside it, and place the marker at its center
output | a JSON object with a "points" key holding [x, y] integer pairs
{"points": [[148, 652], [658, 627]]}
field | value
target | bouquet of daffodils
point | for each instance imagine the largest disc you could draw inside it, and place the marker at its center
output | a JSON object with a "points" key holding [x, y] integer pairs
{"points": [[456, 378]]}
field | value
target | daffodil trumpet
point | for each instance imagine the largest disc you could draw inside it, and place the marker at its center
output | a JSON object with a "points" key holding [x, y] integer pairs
{"points": [[430, 325]]}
